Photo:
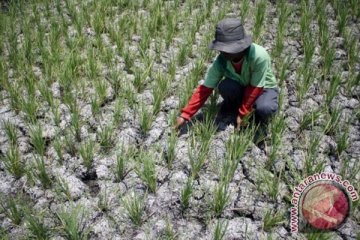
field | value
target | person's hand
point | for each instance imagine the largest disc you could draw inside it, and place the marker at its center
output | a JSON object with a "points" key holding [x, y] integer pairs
{"points": [[179, 122], [240, 122]]}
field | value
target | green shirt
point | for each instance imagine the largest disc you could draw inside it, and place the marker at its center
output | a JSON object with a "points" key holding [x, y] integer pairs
{"points": [[255, 71]]}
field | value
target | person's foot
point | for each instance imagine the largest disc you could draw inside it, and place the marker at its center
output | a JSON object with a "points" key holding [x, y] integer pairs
{"points": [[260, 136]]}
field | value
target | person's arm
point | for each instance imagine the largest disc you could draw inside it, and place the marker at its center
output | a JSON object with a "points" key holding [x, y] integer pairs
{"points": [[257, 82], [198, 98], [250, 95], [203, 91]]}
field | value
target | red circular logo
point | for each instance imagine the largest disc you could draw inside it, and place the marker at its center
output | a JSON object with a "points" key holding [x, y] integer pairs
{"points": [[325, 206]]}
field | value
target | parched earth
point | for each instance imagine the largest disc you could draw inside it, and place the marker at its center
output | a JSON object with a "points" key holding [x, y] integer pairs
{"points": [[101, 196]]}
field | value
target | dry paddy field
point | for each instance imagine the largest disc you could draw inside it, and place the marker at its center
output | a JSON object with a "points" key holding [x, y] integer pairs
{"points": [[89, 91]]}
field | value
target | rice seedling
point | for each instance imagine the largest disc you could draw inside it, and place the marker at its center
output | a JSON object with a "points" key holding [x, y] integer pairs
{"points": [[115, 81], [342, 15], [105, 135], [309, 49], [317, 235], [100, 89], [333, 88], [186, 193], [87, 151], [260, 16], [221, 197], [95, 106], [284, 64], [332, 120], [15, 95], [104, 203], [353, 81], [36, 226], [210, 110], [11, 132], [269, 183], [130, 96], [12, 208], [160, 90], [235, 147], [278, 126], [139, 80], [91, 68], [170, 148], [342, 138], [128, 57], [169, 233], [182, 54], [323, 35], [220, 229], [306, 16], [329, 56], [273, 219], [135, 207], [59, 149], [304, 82], [309, 119], [62, 188], [118, 115], [312, 164], [46, 94], [171, 29], [120, 168], [3, 232], [352, 45], [197, 155], [73, 223], [37, 140], [70, 145], [76, 123], [107, 56], [39, 171], [284, 13], [145, 118], [244, 10], [345, 168], [30, 107], [145, 169]]}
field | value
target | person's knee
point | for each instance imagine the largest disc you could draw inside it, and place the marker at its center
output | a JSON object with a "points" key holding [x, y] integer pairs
{"points": [[266, 110]]}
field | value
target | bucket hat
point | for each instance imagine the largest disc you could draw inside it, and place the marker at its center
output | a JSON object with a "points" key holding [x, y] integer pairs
{"points": [[230, 36]]}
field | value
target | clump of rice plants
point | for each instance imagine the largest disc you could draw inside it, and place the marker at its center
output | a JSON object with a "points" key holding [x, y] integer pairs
{"points": [[87, 153], [12, 208], [37, 140], [13, 163], [41, 173], [11, 132], [36, 226], [145, 169], [145, 117], [186, 193], [105, 136], [72, 223], [220, 229], [135, 207], [221, 196], [272, 219]]}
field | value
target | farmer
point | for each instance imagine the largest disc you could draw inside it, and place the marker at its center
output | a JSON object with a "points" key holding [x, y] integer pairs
{"points": [[242, 74]]}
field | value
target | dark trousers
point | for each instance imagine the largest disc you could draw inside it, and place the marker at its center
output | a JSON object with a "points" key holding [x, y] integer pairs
{"points": [[265, 106]]}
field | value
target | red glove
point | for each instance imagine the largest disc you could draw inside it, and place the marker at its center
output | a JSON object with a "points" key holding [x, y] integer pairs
{"points": [[198, 98]]}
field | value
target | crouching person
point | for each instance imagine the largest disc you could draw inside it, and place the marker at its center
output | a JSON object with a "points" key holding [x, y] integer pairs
{"points": [[242, 74]]}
